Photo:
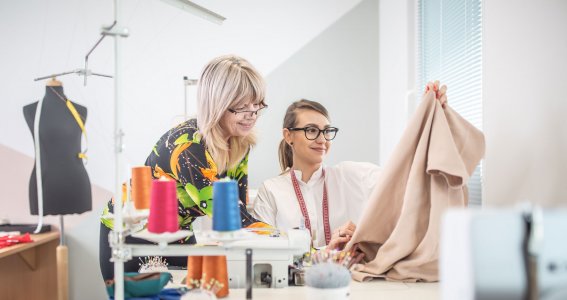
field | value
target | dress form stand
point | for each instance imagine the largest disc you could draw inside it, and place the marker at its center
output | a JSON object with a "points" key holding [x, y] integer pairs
{"points": [[62, 264], [59, 183], [62, 250]]}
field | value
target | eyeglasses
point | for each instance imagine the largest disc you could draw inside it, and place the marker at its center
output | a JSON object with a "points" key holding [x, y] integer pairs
{"points": [[248, 113], [312, 132]]}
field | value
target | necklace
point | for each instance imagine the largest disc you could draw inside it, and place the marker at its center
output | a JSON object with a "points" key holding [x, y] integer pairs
{"points": [[78, 119], [303, 207]]}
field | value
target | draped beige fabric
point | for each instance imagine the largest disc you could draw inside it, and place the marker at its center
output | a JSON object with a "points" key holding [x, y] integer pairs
{"points": [[426, 174]]}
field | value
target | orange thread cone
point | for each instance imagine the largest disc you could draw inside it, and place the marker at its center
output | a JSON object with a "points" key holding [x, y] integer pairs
{"points": [[194, 269], [215, 267], [141, 186]]}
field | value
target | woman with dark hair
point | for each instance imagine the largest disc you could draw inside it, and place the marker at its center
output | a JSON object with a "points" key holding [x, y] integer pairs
{"points": [[327, 200], [307, 192]]}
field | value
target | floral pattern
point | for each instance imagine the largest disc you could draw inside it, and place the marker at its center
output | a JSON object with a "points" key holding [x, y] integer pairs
{"points": [[181, 155]]}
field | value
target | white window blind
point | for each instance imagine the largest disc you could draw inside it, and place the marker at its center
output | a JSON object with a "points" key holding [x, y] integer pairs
{"points": [[450, 49]]}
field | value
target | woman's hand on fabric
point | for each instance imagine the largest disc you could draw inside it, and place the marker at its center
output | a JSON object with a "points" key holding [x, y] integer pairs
{"points": [[342, 235], [338, 242], [347, 229], [440, 92]]}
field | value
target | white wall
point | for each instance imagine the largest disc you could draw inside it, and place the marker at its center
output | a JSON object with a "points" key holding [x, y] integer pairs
{"points": [[339, 69], [165, 44], [397, 71], [525, 102]]}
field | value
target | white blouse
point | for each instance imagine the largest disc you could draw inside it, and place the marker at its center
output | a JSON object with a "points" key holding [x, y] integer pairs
{"points": [[349, 185]]}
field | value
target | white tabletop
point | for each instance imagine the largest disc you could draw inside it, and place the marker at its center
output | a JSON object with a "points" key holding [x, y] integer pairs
{"points": [[377, 289]]}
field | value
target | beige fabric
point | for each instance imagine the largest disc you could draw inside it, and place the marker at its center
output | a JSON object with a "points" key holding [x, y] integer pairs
{"points": [[427, 173]]}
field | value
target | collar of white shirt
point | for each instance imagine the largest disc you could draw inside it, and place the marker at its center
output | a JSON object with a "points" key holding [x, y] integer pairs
{"points": [[317, 175]]}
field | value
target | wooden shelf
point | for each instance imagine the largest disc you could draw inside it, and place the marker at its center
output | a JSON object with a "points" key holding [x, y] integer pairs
{"points": [[29, 270], [38, 239]]}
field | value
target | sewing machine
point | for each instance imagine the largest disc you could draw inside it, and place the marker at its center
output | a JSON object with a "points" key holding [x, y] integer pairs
{"points": [[504, 254], [272, 254]]}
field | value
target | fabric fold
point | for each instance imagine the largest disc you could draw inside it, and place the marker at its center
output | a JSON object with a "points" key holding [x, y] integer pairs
{"points": [[426, 174]]}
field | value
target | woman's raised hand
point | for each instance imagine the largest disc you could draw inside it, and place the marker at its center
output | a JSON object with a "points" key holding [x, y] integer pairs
{"points": [[440, 92]]}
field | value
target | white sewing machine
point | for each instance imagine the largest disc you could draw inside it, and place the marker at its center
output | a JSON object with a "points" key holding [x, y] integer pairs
{"points": [[502, 254], [270, 258]]}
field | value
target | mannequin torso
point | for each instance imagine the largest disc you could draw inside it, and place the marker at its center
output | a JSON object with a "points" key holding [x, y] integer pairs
{"points": [[66, 185]]}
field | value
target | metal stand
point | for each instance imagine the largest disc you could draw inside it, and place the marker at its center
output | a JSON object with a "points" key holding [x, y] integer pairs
{"points": [[118, 255], [187, 82], [248, 274], [532, 246], [119, 252]]}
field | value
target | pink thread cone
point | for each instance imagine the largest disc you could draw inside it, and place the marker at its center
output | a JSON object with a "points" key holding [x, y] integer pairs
{"points": [[163, 207]]}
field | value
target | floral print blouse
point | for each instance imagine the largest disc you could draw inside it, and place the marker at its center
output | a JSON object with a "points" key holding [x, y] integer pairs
{"points": [[181, 155]]}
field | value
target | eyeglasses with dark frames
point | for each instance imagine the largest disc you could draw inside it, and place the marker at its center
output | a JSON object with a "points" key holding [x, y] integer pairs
{"points": [[312, 132], [248, 113]]}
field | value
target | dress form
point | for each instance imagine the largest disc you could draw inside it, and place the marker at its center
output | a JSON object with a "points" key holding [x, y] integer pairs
{"points": [[65, 182]]}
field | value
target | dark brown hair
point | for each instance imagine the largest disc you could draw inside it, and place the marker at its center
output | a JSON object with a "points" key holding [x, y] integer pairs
{"points": [[290, 120]]}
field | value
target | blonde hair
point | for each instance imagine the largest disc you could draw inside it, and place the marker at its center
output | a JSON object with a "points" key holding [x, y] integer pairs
{"points": [[285, 151], [227, 81]]}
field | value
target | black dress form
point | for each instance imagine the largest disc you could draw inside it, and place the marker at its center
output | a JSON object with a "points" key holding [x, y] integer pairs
{"points": [[66, 185]]}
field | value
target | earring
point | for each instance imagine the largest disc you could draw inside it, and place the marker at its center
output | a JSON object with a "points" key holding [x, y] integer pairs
{"points": [[291, 143]]}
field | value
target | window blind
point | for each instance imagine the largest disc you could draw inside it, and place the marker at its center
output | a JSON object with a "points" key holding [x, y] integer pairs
{"points": [[449, 48]]}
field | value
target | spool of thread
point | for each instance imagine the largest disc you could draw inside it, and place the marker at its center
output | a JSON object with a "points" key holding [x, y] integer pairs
{"points": [[194, 269], [206, 269], [141, 186], [163, 207], [226, 214], [215, 267]]}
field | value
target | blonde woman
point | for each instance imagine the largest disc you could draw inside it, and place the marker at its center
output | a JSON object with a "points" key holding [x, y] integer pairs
{"points": [[230, 98]]}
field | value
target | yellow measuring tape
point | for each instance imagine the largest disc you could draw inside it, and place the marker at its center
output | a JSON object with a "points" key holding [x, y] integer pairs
{"points": [[75, 113]]}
